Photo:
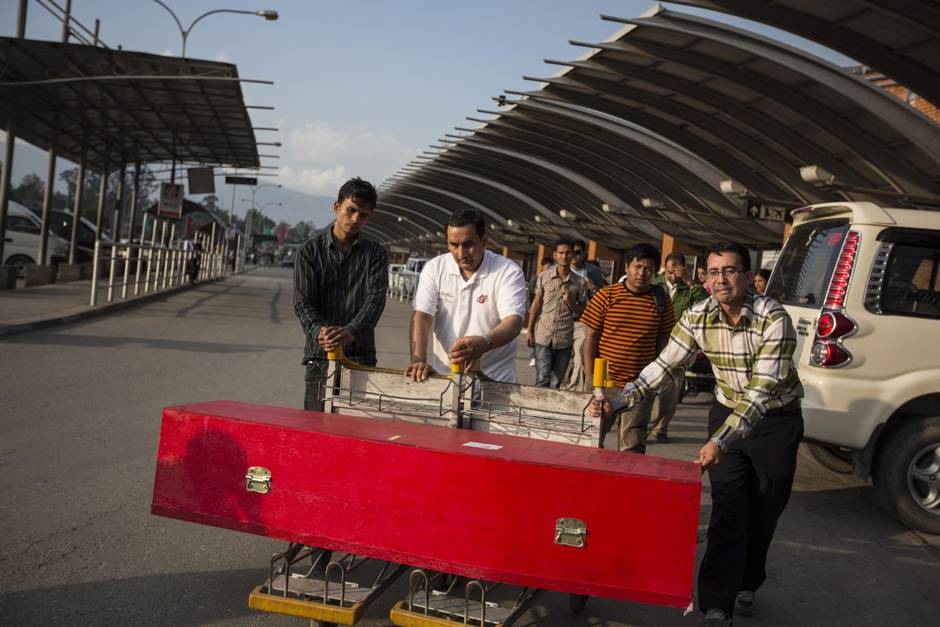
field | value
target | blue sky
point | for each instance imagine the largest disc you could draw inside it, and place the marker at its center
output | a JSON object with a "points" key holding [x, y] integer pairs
{"points": [[361, 86]]}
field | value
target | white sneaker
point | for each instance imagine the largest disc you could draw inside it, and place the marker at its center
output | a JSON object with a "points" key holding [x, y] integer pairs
{"points": [[532, 362]]}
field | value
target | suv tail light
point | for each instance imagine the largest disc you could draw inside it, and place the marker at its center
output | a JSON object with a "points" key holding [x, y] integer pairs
{"points": [[839, 284], [833, 325]]}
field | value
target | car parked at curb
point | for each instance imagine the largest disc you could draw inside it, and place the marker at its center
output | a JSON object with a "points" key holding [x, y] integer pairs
{"points": [[862, 285], [21, 242]]}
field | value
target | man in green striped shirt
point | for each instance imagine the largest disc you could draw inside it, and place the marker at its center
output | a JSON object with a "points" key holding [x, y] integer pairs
{"points": [[755, 424]]}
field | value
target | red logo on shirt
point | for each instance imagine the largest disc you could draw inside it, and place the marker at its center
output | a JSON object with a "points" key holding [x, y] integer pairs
{"points": [[482, 299]]}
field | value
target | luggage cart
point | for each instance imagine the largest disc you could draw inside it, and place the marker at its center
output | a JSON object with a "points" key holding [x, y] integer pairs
{"points": [[427, 607], [455, 400], [312, 594]]}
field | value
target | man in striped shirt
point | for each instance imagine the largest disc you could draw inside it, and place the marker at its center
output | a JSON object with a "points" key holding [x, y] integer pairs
{"points": [[340, 279], [755, 425], [627, 323]]}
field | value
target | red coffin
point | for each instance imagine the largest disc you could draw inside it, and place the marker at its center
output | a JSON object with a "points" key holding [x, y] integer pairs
{"points": [[475, 504]]}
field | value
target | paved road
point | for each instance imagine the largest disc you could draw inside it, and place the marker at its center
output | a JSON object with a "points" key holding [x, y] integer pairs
{"points": [[79, 423]]}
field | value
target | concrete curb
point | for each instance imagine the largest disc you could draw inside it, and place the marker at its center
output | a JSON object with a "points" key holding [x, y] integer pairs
{"points": [[77, 314]]}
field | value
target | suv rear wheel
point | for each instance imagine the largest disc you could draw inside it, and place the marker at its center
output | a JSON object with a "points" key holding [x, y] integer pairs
{"points": [[907, 474], [835, 458], [20, 262]]}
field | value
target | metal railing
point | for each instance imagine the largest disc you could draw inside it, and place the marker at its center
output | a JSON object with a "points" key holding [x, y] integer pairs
{"points": [[150, 268], [402, 285]]}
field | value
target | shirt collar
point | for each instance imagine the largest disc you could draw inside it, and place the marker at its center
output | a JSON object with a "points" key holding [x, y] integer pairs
{"points": [[747, 307], [332, 242], [482, 271]]}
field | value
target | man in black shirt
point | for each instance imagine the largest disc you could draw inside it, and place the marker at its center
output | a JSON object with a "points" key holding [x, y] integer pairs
{"points": [[340, 280]]}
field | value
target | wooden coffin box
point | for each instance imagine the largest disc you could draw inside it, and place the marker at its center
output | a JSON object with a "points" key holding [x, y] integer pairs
{"points": [[480, 505]]}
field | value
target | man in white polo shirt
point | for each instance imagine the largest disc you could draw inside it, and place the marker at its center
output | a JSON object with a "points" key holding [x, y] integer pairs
{"points": [[477, 302]]}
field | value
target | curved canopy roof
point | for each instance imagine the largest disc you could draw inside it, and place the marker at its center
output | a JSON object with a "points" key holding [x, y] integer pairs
{"points": [[124, 106], [634, 139], [900, 39]]}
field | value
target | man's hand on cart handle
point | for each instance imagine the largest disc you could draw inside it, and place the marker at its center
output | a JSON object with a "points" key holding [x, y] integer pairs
{"points": [[419, 371], [331, 337], [708, 455], [599, 408], [468, 348]]}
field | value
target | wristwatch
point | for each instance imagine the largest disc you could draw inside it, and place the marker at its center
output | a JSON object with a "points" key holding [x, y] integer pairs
{"points": [[489, 341]]}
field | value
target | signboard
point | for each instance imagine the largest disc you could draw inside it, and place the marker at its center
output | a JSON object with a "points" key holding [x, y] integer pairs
{"points": [[171, 201], [201, 180], [240, 180], [771, 214]]}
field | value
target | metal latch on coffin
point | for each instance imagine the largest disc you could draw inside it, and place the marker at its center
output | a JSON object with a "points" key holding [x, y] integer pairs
{"points": [[570, 532], [258, 479]]}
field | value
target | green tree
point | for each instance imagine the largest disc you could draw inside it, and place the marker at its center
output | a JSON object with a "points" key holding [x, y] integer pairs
{"points": [[29, 192]]}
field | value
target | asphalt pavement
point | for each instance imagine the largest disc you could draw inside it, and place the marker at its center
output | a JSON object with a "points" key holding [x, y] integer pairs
{"points": [[79, 424]]}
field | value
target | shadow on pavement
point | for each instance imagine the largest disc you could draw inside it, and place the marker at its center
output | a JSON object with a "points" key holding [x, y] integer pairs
{"points": [[181, 599], [100, 341], [182, 313]]}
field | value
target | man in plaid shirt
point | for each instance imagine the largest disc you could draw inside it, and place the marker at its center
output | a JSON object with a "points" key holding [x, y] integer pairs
{"points": [[755, 424]]}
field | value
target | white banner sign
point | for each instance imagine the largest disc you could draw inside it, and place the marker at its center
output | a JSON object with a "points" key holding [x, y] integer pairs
{"points": [[171, 201]]}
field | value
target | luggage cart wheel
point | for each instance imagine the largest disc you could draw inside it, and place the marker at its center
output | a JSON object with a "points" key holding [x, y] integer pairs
{"points": [[576, 602]]}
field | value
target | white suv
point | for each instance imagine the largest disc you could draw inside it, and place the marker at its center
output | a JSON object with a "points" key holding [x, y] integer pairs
{"points": [[21, 242], [862, 285]]}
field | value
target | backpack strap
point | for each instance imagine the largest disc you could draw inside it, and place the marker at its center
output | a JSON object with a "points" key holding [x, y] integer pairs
{"points": [[659, 294]]}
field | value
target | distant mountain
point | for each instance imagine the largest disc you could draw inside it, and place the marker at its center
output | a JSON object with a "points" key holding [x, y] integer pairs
{"points": [[295, 206]]}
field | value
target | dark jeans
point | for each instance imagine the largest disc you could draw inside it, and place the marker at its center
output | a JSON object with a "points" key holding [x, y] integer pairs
{"points": [[550, 365], [315, 379], [750, 489]]}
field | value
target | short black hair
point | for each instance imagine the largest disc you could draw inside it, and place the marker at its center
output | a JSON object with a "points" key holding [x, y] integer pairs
{"points": [[640, 252], [580, 242], [463, 217], [731, 247], [547, 260], [679, 258], [564, 241], [361, 191], [763, 272]]}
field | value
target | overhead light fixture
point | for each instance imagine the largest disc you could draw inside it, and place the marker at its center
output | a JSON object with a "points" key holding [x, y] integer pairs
{"points": [[731, 187], [539, 218], [653, 203], [817, 176], [567, 215], [267, 14]]}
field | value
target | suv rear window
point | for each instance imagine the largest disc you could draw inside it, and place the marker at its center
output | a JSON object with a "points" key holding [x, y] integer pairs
{"points": [[912, 281], [805, 266]]}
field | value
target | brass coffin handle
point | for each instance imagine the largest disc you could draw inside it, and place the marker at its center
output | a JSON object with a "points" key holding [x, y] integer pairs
{"points": [[570, 532], [258, 479]]}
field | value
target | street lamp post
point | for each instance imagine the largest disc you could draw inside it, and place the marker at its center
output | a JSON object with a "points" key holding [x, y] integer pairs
{"points": [[184, 32]]}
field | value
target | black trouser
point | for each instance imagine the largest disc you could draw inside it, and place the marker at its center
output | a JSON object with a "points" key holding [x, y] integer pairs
{"points": [[315, 379], [750, 489]]}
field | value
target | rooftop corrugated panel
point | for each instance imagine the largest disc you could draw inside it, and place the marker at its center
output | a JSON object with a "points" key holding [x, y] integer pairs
{"points": [[901, 39], [124, 106]]}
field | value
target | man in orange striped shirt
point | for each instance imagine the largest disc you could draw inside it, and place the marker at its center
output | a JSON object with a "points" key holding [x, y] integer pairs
{"points": [[628, 323]]}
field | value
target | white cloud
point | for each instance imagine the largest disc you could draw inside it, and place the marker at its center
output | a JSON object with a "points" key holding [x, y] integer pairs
{"points": [[318, 157], [222, 57], [168, 53]]}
